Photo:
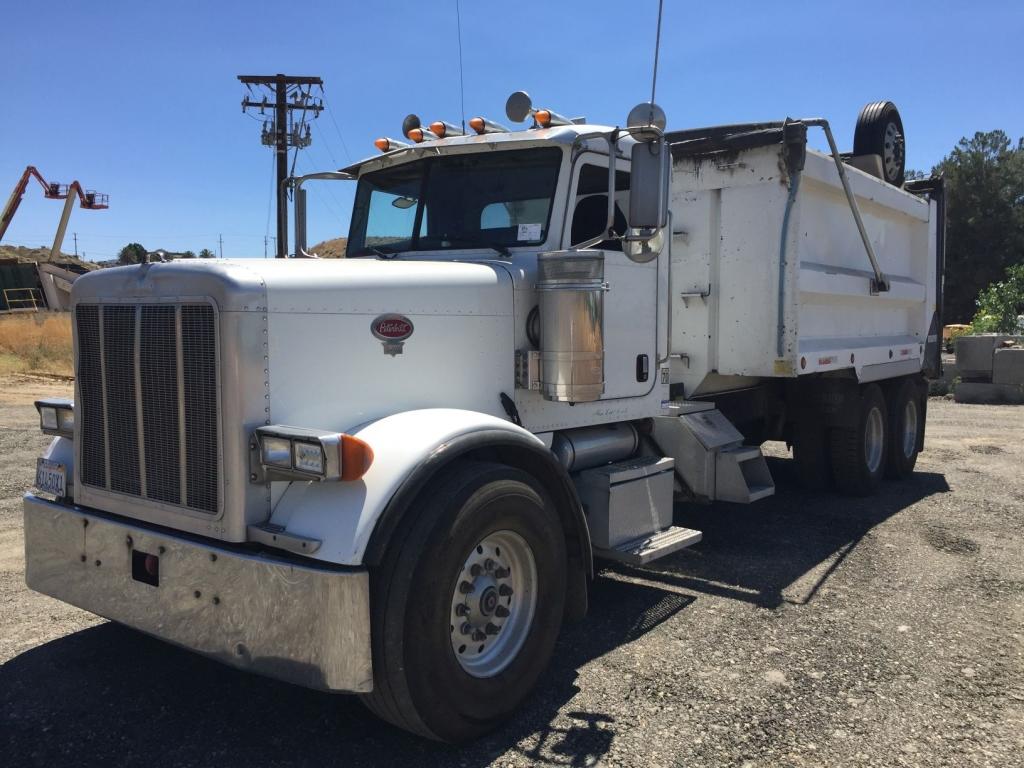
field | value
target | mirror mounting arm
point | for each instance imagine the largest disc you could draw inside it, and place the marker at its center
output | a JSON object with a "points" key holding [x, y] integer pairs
{"points": [[613, 140]]}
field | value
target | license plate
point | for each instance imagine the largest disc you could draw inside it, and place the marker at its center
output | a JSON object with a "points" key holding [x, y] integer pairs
{"points": [[50, 477]]}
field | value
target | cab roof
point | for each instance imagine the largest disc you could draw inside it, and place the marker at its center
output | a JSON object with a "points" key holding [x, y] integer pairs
{"points": [[565, 135]]}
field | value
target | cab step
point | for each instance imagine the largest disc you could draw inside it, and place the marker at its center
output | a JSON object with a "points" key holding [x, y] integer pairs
{"points": [[647, 548], [710, 457]]}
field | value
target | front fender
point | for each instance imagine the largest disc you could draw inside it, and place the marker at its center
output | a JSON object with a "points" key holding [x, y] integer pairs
{"points": [[343, 515]]}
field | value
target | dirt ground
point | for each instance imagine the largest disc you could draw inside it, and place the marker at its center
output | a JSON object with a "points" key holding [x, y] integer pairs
{"points": [[805, 630]]}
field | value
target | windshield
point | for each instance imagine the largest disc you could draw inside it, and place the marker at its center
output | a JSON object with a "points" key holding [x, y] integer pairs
{"points": [[485, 199]]}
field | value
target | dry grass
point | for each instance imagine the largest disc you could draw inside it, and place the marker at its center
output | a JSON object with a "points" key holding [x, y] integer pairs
{"points": [[37, 342]]}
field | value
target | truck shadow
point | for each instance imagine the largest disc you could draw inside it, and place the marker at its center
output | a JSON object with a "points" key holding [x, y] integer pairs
{"points": [[110, 695], [783, 548]]}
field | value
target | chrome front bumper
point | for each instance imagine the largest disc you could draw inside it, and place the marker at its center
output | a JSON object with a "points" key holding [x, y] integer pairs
{"points": [[303, 624]]}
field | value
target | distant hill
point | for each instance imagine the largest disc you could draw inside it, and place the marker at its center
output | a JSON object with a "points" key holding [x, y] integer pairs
{"points": [[22, 254], [331, 249]]}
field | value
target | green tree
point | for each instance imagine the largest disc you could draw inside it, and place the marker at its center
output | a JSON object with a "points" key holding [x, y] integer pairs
{"points": [[985, 226], [206, 253], [133, 253], [188, 255], [1001, 304]]}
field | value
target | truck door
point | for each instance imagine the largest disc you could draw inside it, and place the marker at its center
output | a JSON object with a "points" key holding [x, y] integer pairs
{"points": [[630, 306]]}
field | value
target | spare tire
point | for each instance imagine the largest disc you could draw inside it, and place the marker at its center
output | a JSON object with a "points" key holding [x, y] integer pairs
{"points": [[880, 132]]}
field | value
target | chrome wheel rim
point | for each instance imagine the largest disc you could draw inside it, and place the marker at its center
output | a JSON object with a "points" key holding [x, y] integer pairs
{"points": [[909, 428], [892, 152], [493, 603], [874, 437]]}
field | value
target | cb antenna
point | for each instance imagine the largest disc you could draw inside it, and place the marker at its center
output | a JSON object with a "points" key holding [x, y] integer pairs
{"points": [[657, 47], [462, 87]]}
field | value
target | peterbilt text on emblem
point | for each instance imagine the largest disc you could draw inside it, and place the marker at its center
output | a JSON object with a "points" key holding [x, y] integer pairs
{"points": [[392, 330]]}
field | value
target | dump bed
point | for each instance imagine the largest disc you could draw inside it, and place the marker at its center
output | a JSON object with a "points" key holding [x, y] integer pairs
{"points": [[770, 277]]}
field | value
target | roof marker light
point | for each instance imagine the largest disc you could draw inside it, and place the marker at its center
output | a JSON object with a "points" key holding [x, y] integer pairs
{"points": [[384, 144], [482, 125], [443, 130]]}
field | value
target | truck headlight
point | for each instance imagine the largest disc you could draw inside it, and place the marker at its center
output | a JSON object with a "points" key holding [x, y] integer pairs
{"points": [[276, 451], [294, 453], [57, 417], [308, 457]]}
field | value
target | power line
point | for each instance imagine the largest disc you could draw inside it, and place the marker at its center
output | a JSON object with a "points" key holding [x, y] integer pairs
{"points": [[330, 114], [334, 212], [329, 187]]}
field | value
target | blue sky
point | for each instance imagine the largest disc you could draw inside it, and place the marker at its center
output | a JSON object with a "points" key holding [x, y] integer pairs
{"points": [[140, 99]]}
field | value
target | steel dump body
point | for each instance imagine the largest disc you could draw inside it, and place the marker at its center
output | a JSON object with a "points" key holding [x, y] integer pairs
{"points": [[756, 296]]}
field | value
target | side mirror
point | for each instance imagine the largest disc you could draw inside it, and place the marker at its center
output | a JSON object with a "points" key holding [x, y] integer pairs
{"points": [[648, 185], [648, 200]]}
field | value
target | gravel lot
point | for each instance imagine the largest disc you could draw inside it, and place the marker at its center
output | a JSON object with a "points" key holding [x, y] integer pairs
{"points": [[805, 630]]}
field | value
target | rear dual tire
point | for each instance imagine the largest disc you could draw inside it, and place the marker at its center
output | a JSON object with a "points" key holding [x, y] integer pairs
{"points": [[906, 429], [858, 452], [883, 440]]}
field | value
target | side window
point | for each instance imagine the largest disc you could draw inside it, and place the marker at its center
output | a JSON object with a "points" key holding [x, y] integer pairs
{"points": [[590, 212]]}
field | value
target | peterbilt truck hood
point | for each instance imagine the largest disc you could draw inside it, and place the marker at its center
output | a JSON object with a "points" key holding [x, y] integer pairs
{"points": [[329, 332]]}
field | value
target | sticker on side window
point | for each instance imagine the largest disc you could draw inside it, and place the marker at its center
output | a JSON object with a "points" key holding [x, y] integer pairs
{"points": [[529, 232]]}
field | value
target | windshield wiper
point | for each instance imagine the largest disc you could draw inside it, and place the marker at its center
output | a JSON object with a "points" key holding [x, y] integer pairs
{"points": [[380, 253]]}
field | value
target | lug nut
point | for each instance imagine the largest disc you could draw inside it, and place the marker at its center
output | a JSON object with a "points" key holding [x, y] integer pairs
{"points": [[492, 629], [502, 573], [465, 628], [479, 636], [501, 612], [505, 590], [466, 588], [489, 564], [461, 609], [474, 570]]}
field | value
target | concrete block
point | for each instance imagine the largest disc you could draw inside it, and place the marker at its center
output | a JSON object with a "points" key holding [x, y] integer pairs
{"points": [[988, 394], [1008, 366], [974, 356]]}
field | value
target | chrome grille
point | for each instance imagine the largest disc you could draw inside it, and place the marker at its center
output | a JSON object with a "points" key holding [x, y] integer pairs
{"points": [[147, 380]]}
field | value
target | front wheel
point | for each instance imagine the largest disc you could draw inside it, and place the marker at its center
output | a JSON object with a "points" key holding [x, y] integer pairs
{"points": [[467, 606]]}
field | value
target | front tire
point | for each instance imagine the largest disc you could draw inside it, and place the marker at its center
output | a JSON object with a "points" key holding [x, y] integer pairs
{"points": [[859, 451], [466, 607]]}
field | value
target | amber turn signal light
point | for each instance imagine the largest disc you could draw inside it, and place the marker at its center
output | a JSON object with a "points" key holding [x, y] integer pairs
{"points": [[356, 457]]}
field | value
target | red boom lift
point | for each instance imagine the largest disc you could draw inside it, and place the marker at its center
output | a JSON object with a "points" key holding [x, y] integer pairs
{"points": [[53, 191]]}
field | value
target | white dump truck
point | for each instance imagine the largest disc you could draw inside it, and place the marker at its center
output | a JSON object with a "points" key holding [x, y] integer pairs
{"points": [[391, 474]]}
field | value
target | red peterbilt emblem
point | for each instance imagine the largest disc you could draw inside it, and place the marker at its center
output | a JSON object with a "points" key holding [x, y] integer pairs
{"points": [[392, 331]]}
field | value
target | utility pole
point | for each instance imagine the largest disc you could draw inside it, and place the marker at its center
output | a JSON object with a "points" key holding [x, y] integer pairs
{"points": [[220, 245], [75, 235], [290, 93]]}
